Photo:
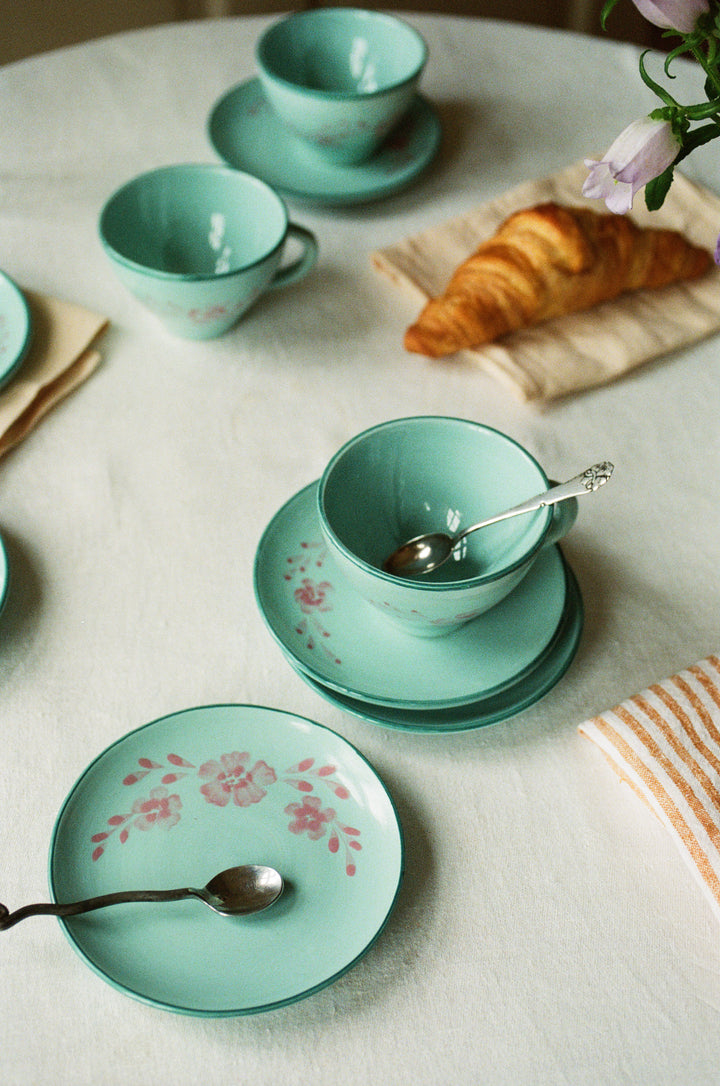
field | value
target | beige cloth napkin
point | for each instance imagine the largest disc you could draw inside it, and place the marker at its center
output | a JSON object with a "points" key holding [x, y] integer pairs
{"points": [[576, 352], [61, 355], [665, 742]]}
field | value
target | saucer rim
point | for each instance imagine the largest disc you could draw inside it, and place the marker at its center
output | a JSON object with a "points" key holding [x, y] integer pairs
{"points": [[358, 195], [571, 627], [389, 702]]}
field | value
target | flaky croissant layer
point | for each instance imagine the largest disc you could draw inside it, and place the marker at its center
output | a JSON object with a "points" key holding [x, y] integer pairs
{"points": [[547, 261]]}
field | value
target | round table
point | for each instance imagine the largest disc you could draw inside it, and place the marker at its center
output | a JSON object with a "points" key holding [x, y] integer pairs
{"points": [[546, 930]]}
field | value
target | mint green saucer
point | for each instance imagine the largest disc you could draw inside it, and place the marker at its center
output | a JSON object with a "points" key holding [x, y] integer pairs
{"points": [[333, 636], [528, 690], [4, 574], [15, 328], [193, 793], [245, 132]]}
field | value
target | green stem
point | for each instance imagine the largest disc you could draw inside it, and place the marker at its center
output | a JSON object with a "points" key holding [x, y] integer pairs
{"points": [[710, 71]]}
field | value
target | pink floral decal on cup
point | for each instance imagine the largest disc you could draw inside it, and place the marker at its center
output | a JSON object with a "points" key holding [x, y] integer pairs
{"points": [[312, 597], [235, 779]]}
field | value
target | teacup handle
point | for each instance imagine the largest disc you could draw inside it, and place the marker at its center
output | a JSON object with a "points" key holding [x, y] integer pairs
{"points": [[290, 273], [564, 515]]}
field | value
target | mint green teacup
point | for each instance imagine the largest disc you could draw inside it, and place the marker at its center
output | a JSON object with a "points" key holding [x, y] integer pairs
{"points": [[199, 244], [431, 473], [341, 78]]}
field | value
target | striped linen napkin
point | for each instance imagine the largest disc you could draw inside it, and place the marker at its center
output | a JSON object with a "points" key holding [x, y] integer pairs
{"points": [[665, 742]]}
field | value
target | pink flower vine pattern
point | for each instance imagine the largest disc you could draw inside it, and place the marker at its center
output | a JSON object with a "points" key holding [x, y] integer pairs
{"points": [[311, 597], [236, 779], [310, 818], [160, 809]]}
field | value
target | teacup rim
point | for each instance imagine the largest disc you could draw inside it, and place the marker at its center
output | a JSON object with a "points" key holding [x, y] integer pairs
{"points": [[190, 277], [338, 95], [418, 583]]}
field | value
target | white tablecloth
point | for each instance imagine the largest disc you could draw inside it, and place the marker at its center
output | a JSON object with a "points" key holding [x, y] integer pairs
{"points": [[547, 931]]}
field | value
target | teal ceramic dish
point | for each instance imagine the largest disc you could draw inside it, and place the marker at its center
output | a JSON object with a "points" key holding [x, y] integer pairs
{"points": [[15, 328], [199, 244], [492, 709], [432, 473], [340, 78], [193, 793], [333, 636], [4, 574], [246, 134]]}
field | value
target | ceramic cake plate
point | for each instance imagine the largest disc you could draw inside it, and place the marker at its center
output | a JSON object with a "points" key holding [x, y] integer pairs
{"points": [[334, 638], [189, 795], [247, 135], [15, 328]]}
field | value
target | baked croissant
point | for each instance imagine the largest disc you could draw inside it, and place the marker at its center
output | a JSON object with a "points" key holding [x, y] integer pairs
{"points": [[544, 262]]}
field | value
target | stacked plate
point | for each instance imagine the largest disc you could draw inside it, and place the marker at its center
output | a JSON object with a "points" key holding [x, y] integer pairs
{"points": [[348, 652], [15, 328]]}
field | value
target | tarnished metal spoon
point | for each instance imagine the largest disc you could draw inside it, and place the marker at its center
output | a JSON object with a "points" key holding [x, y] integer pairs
{"points": [[424, 553], [234, 892]]}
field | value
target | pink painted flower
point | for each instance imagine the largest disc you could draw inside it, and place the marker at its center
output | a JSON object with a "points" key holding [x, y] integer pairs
{"points": [[641, 153], [308, 817], [202, 316], [311, 597], [161, 809], [679, 15], [232, 779]]}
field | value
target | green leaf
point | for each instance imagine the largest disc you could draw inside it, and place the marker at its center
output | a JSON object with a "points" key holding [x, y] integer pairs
{"points": [[703, 110], [657, 189], [607, 8], [697, 138], [662, 94]]}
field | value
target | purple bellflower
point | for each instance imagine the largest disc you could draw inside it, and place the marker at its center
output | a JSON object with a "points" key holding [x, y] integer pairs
{"points": [[641, 153], [681, 15]]}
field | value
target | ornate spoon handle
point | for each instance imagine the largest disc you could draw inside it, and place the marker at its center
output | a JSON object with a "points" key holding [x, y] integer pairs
{"points": [[586, 482]]}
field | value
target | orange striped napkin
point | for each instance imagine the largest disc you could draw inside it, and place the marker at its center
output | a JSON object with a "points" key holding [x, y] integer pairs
{"points": [[665, 742]]}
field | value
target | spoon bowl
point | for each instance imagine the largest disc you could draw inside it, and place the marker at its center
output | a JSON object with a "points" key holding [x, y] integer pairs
{"points": [[237, 891], [241, 890]]}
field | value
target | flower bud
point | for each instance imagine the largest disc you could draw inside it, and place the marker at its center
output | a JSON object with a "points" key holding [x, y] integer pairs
{"points": [[641, 153], [681, 15]]}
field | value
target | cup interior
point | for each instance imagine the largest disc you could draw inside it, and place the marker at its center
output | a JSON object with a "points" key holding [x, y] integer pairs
{"points": [[412, 476], [193, 221], [342, 51]]}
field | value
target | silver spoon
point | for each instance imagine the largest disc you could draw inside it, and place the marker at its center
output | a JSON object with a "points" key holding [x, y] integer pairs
{"points": [[424, 553], [234, 892]]}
